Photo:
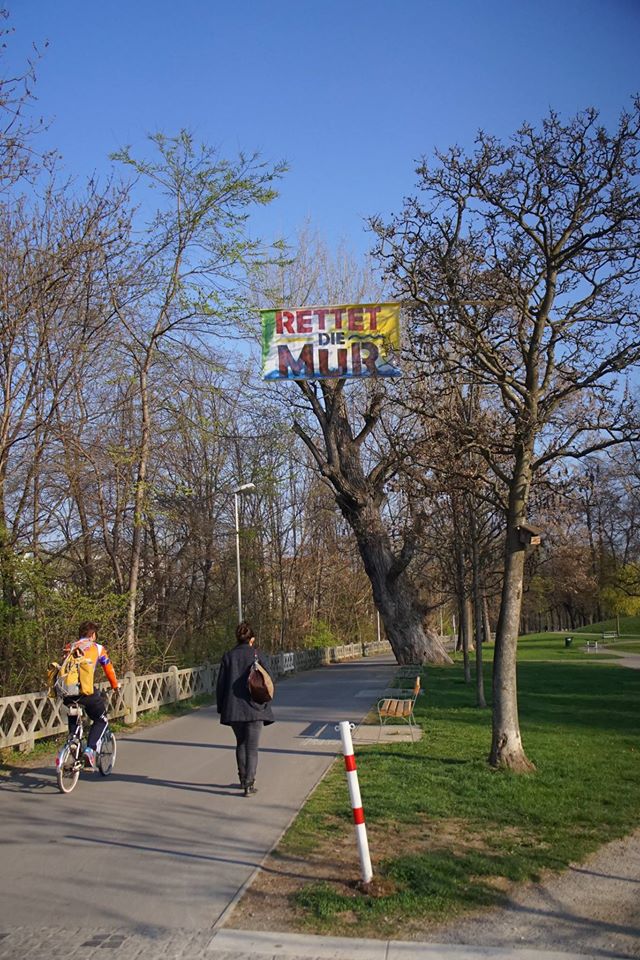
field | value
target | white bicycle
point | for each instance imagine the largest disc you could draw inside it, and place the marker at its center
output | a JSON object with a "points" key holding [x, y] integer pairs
{"points": [[69, 759]]}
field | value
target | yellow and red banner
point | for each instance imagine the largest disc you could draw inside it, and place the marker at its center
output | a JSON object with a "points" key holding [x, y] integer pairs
{"points": [[347, 340]]}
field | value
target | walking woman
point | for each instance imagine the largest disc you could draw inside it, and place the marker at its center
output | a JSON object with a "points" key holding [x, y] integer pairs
{"points": [[236, 708]]}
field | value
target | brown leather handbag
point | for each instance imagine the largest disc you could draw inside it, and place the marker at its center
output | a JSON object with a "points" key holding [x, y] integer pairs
{"points": [[260, 684]]}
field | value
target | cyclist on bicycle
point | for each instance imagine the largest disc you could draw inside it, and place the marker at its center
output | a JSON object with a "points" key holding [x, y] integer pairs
{"points": [[90, 653]]}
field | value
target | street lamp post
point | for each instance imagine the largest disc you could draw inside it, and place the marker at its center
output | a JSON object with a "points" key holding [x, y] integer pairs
{"points": [[245, 488]]}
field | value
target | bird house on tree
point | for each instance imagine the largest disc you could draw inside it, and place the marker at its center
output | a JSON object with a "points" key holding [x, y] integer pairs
{"points": [[529, 535]]}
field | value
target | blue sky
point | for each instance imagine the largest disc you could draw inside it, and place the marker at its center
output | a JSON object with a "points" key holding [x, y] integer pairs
{"points": [[351, 94]]}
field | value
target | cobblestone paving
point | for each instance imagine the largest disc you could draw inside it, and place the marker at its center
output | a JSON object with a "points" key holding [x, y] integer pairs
{"points": [[25, 943], [55, 943]]}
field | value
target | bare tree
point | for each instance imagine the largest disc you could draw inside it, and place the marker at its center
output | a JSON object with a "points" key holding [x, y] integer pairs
{"points": [[52, 320], [522, 260], [19, 159], [189, 262]]}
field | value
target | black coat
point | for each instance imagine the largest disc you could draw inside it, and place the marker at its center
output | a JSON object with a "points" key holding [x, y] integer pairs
{"points": [[232, 693]]}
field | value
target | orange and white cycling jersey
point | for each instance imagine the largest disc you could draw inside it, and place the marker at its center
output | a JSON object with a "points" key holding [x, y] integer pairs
{"points": [[95, 653]]}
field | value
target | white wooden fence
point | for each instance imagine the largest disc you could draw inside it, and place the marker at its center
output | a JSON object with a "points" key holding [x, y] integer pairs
{"points": [[31, 716]]}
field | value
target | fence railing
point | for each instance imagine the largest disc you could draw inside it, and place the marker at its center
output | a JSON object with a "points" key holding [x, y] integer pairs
{"points": [[28, 717]]}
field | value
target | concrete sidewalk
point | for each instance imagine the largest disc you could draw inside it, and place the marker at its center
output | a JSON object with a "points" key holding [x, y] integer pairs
{"points": [[77, 944], [167, 842], [299, 947]]}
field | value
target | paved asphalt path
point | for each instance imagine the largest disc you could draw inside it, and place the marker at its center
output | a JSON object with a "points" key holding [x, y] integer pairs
{"points": [[167, 841]]}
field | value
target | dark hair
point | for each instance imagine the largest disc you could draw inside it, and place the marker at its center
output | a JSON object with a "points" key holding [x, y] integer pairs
{"points": [[244, 632], [86, 628]]}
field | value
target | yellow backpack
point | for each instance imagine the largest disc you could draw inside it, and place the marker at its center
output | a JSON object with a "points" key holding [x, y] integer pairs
{"points": [[73, 677]]}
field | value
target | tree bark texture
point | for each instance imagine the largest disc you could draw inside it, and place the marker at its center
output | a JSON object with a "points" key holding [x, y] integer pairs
{"points": [[393, 593], [138, 517], [360, 497], [477, 612], [506, 744]]}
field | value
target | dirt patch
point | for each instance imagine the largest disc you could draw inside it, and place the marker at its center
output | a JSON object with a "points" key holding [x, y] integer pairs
{"points": [[269, 904], [590, 908]]}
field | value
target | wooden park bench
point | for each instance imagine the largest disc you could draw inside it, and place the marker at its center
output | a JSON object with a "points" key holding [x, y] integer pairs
{"points": [[399, 708], [605, 638]]}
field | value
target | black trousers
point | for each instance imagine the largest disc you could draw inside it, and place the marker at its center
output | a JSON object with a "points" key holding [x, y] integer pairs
{"points": [[94, 705], [247, 734]]}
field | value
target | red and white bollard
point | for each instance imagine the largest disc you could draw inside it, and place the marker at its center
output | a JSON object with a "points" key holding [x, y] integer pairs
{"points": [[356, 801]]}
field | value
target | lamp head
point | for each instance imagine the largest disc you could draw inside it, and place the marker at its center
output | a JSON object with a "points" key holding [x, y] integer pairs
{"points": [[245, 488]]}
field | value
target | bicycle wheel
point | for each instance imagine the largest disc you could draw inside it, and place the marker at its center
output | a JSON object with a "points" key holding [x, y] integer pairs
{"points": [[67, 767], [107, 755]]}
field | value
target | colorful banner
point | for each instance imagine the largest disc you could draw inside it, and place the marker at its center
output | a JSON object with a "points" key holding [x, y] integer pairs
{"points": [[312, 343]]}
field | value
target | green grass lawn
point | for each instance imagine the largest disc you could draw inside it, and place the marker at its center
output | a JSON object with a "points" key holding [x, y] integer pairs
{"points": [[626, 646], [447, 833], [551, 646], [629, 627]]}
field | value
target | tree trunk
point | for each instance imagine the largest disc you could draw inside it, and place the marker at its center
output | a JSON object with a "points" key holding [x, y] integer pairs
{"points": [[393, 592], [7, 565], [477, 610], [205, 569], [138, 519], [73, 471], [506, 746], [486, 623], [464, 619], [465, 630], [360, 497]]}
